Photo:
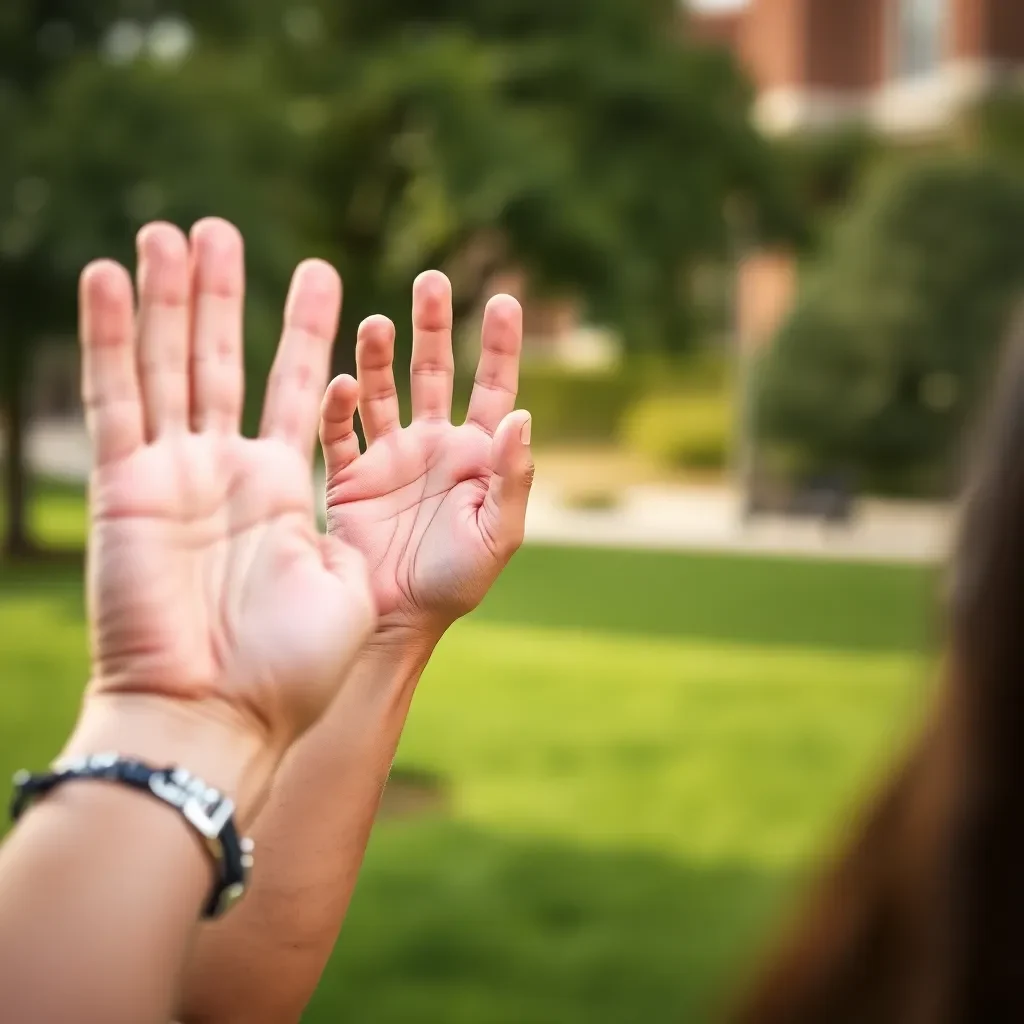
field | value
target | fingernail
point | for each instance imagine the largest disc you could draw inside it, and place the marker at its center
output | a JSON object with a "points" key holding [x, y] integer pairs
{"points": [[524, 433]]}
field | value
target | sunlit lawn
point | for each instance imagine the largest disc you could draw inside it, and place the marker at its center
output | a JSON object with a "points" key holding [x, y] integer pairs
{"points": [[643, 753]]}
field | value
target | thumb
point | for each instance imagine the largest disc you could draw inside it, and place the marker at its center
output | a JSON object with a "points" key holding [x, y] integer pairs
{"points": [[504, 508]]}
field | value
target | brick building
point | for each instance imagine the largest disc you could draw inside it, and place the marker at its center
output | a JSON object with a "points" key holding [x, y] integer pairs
{"points": [[905, 67]]}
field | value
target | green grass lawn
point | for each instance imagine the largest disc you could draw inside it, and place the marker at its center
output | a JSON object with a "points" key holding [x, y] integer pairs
{"points": [[643, 754]]}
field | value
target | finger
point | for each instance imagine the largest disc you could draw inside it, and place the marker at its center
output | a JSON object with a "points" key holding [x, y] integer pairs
{"points": [[503, 513], [497, 375], [433, 365], [337, 430], [218, 289], [291, 411], [378, 397], [163, 283], [110, 384]]}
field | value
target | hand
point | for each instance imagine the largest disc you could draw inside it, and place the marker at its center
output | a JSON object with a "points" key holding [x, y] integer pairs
{"points": [[209, 586], [437, 509]]}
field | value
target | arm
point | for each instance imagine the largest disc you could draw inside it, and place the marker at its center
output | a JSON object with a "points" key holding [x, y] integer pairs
{"points": [[263, 961], [221, 624], [438, 510], [101, 887]]}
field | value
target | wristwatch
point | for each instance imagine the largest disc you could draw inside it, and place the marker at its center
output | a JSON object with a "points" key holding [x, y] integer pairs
{"points": [[206, 809]]}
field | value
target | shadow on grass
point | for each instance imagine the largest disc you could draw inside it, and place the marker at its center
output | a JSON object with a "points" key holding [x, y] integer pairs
{"points": [[838, 605], [452, 925], [57, 575], [44, 558]]}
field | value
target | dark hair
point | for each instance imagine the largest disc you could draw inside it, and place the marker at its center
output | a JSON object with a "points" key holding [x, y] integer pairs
{"points": [[921, 920]]}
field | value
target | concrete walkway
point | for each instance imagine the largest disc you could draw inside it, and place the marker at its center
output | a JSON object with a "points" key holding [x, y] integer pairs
{"points": [[60, 450], [666, 518], [709, 520]]}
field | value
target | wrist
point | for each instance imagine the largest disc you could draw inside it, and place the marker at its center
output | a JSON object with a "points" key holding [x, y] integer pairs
{"points": [[384, 678], [205, 741], [402, 639], [398, 655]]}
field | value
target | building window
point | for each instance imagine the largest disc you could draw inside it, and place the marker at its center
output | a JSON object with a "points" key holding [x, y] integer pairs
{"points": [[920, 36]]}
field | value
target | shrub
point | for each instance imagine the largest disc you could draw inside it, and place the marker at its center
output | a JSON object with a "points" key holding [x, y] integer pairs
{"points": [[570, 407], [886, 355], [567, 407], [826, 167], [681, 430]]}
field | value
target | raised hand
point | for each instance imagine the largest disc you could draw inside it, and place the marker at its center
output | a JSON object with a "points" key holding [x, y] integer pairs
{"points": [[437, 509], [208, 583]]}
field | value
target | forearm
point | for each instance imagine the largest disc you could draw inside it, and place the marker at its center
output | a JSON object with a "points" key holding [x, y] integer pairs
{"points": [[105, 885], [263, 962]]}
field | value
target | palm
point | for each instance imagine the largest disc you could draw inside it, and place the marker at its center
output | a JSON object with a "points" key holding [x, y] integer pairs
{"points": [[411, 504], [213, 539], [437, 509], [207, 578]]}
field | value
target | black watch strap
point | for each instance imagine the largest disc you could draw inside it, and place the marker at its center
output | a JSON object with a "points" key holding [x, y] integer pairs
{"points": [[206, 809]]}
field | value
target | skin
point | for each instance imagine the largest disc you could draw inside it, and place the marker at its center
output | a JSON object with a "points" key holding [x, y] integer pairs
{"points": [[208, 583], [221, 623], [437, 510]]}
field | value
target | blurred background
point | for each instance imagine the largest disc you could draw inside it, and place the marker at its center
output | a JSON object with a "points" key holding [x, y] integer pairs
{"points": [[768, 251]]}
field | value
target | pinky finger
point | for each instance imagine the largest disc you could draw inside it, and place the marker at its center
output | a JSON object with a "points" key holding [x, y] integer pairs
{"points": [[337, 429]]}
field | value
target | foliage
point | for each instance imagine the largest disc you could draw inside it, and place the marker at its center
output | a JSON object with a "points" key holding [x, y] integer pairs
{"points": [[577, 140], [995, 127], [828, 167], [887, 354], [120, 119], [112, 134], [685, 430], [573, 407]]}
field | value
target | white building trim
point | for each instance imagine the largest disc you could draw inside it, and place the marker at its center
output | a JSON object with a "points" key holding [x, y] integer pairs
{"points": [[907, 107]]}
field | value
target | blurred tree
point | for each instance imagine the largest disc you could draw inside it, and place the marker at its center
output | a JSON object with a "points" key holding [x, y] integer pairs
{"points": [[995, 127], [113, 115], [828, 167], [887, 353], [583, 142]]}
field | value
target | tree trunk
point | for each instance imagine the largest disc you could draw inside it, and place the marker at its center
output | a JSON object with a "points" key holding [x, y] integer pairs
{"points": [[14, 410]]}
